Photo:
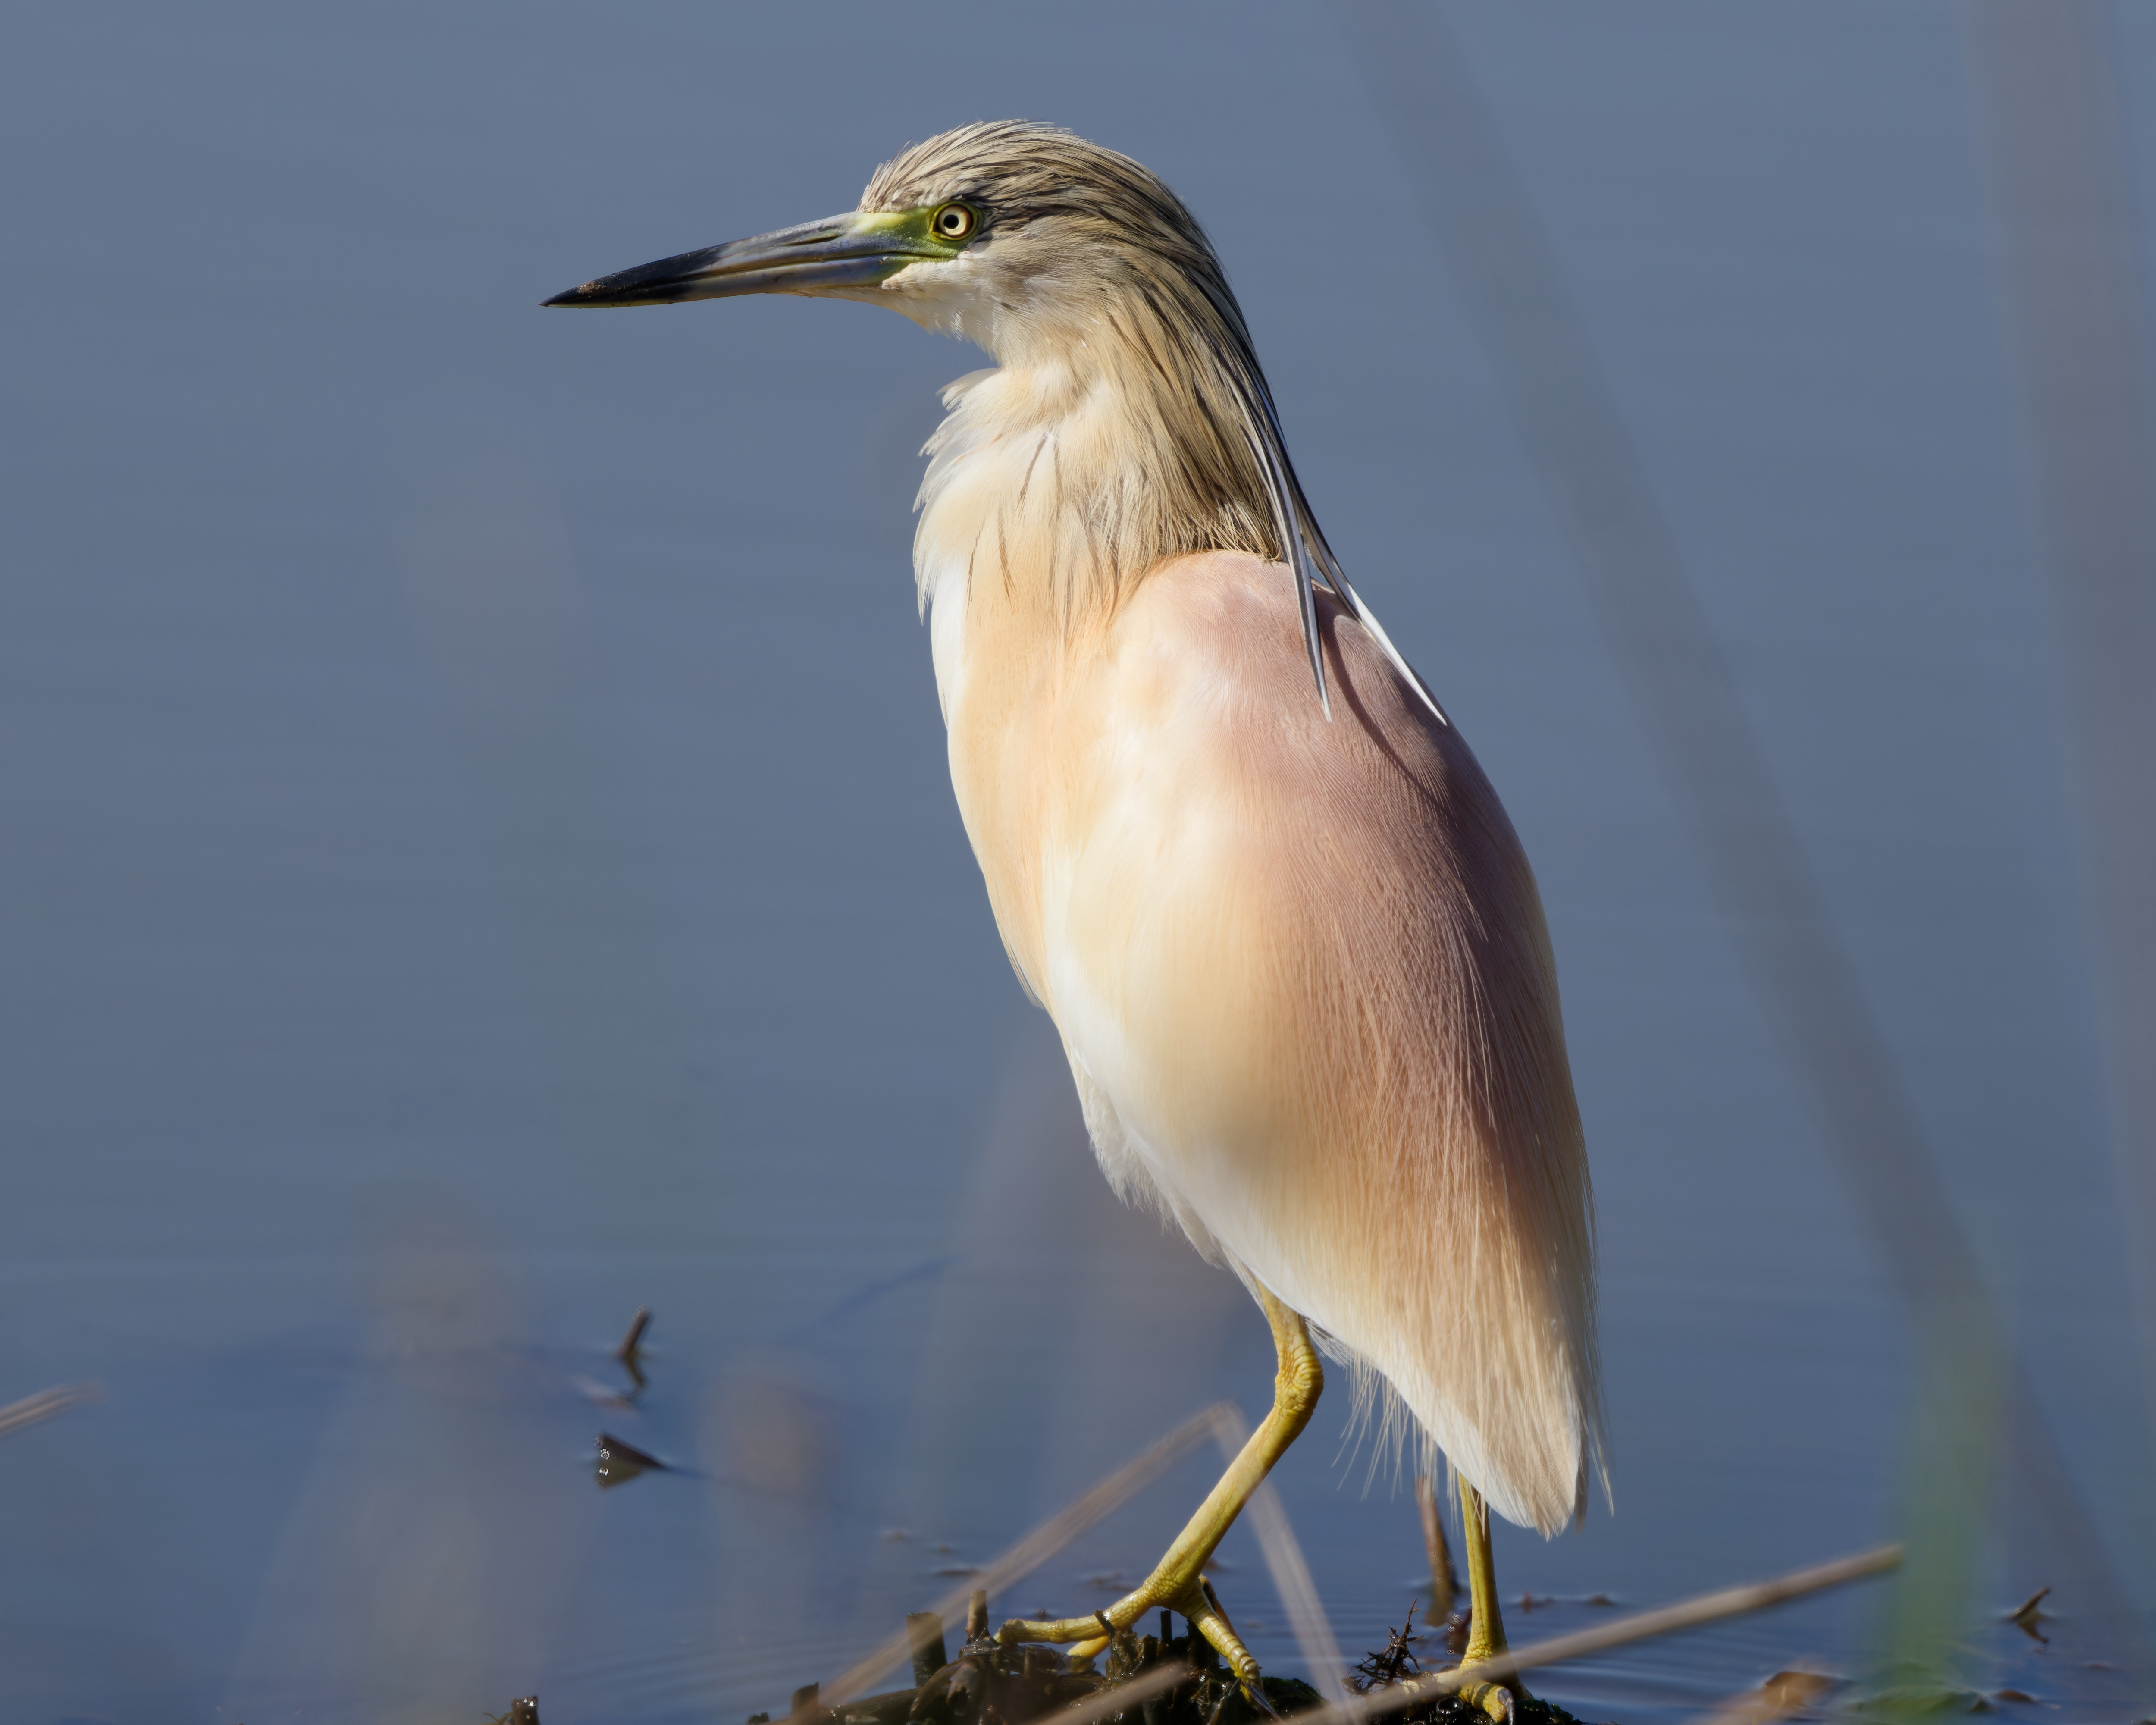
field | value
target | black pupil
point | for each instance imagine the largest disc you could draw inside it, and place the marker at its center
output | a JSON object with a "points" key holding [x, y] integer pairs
{"points": [[954, 221]]}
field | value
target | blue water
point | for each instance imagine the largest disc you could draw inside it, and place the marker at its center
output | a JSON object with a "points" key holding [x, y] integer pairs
{"points": [[475, 855]]}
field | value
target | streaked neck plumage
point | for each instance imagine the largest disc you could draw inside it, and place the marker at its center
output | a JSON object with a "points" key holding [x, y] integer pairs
{"points": [[1127, 425], [1072, 470]]}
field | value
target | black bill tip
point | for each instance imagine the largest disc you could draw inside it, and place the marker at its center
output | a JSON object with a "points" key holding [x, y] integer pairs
{"points": [[660, 283]]}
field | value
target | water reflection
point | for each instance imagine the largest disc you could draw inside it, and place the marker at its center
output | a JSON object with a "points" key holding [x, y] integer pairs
{"points": [[429, 1562]]}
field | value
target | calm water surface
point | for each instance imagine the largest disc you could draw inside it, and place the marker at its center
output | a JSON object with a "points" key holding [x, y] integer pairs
{"points": [[475, 855]]}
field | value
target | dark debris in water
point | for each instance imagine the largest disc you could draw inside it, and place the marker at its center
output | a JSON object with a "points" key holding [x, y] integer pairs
{"points": [[1398, 1663], [1395, 1660], [2025, 1616], [991, 1684], [1451, 1710], [618, 1462], [1181, 1681]]}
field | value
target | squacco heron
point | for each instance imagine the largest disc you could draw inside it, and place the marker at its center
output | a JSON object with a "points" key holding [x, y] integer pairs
{"points": [[1289, 939]]}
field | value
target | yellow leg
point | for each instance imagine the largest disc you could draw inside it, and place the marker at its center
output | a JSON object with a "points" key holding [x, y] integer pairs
{"points": [[1177, 1583], [1486, 1633]]}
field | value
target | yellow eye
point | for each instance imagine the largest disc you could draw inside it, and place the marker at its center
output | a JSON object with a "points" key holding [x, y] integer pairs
{"points": [[954, 221]]}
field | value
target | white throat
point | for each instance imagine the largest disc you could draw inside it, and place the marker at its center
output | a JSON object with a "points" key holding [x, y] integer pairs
{"points": [[1023, 488]]}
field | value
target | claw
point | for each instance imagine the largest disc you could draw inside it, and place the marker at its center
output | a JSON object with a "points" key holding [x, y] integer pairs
{"points": [[1212, 1622]]}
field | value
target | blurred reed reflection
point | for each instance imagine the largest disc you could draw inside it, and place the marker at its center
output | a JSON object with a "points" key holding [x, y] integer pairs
{"points": [[773, 1444], [1068, 1332], [429, 1562]]}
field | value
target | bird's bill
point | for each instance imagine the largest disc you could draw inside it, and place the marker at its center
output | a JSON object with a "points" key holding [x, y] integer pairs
{"points": [[858, 250]]}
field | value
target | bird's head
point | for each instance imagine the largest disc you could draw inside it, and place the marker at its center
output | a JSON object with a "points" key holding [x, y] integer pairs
{"points": [[1071, 261], [1017, 236]]}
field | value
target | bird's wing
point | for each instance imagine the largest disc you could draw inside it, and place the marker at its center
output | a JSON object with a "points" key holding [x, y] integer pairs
{"points": [[1304, 964]]}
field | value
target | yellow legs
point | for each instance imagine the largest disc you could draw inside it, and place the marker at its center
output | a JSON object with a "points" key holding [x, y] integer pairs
{"points": [[1177, 1582], [1485, 1630]]}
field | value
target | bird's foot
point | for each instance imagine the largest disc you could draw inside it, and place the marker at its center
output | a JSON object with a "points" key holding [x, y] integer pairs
{"points": [[1190, 1595], [1495, 1699], [1177, 1582]]}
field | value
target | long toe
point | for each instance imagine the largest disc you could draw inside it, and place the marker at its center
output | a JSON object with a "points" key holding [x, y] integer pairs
{"points": [[1495, 1699], [1195, 1604]]}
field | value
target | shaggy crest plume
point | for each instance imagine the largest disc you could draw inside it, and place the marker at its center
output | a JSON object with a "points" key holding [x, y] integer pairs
{"points": [[1094, 249]]}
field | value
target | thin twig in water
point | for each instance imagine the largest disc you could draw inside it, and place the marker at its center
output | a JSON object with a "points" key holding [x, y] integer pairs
{"points": [[2025, 1616], [1038, 1546], [1690, 1614], [46, 1403]]}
